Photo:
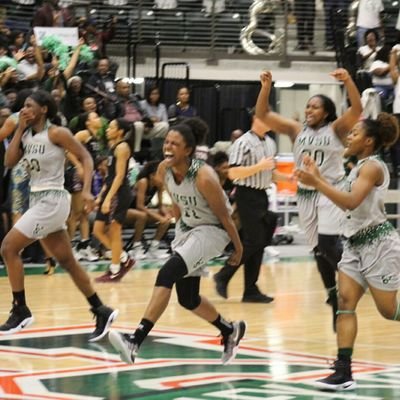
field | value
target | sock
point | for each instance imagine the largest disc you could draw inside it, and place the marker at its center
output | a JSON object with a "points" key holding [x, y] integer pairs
{"points": [[19, 298], [94, 301], [345, 353], [123, 257], [224, 326], [154, 244], [114, 268], [142, 330], [137, 245]]}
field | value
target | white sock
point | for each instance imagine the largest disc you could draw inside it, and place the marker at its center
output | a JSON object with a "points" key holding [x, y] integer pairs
{"points": [[136, 245], [124, 256], [114, 268], [155, 244]]}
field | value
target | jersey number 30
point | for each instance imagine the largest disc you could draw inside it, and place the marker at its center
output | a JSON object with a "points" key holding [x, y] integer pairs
{"points": [[318, 156]]}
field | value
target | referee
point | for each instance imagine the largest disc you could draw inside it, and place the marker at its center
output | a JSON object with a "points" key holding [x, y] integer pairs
{"points": [[251, 163]]}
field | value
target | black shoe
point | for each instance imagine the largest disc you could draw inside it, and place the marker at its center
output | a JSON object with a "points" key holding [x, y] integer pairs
{"points": [[105, 316], [20, 317], [341, 379], [221, 286], [333, 302], [257, 298]]}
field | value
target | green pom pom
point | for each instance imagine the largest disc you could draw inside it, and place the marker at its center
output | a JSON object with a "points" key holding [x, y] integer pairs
{"points": [[6, 62], [85, 54]]}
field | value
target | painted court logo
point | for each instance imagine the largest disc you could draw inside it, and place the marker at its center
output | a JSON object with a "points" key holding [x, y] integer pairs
{"points": [[59, 363]]}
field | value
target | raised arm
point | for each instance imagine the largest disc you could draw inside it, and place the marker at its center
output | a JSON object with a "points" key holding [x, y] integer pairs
{"points": [[342, 126], [209, 186], [14, 150], [275, 121]]}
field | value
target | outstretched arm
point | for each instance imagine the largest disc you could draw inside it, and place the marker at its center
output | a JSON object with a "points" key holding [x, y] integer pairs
{"points": [[343, 125], [369, 176], [275, 121]]}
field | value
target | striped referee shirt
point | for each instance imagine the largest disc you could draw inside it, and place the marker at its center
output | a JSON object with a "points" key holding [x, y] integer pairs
{"points": [[248, 150]]}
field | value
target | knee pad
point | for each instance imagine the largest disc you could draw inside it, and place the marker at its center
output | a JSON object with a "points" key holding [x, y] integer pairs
{"points": [[190, 301], [174, 269], [331, 248]]}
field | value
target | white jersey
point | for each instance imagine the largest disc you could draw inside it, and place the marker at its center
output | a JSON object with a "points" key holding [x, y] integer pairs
{"points": [[325, 148], [44, 160], [371, 211], [193, 206]]}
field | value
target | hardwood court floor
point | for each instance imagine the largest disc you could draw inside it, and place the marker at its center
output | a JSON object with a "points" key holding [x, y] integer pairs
{"points": [[288, 343]]}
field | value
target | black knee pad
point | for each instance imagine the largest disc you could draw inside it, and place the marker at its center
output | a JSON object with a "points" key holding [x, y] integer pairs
{"points": [[331, 248], [174, 269], [187, 290]]}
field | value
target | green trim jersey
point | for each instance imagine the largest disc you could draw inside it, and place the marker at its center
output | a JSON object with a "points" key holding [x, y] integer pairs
{"points": [[194, 208], [43, 160], [371, 211], [325, 148]]}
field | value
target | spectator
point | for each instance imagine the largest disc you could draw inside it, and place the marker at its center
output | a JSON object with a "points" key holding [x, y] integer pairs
{"points": [[49, 14], [73, 97], [305, 17], [131, 110], [89, 105], [368, 17], [156, 111], [335, 18], [95, 39], [226, 146], [101, 86], [368, 52], [182, 108], [380, 71]]}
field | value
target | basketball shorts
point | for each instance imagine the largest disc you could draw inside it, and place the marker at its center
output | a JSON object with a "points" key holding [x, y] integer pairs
{"points": [[199, 245], [47, 214]]}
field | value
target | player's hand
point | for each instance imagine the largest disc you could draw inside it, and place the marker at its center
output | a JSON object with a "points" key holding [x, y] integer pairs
{"points": [[88, 201], [340, 74], [236, 257], [310, 166], [106, 206], [266, 79]]}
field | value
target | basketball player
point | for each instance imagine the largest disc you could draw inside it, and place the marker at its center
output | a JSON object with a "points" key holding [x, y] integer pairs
{"points": [[321, 136], [371, 256], [42, 148], [204, 227]]}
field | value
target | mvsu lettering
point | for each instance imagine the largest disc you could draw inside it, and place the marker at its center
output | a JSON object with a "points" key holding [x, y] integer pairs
{"points": [[35, 148], [308, 140]]}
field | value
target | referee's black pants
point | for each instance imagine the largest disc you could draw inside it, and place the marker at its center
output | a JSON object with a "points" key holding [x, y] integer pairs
{"points": [[258, 226]]}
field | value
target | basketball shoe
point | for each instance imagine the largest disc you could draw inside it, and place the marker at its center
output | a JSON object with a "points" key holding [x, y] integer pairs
{"points": [[125, 345], [231, 342], [340, 380], [20, 318], [125, 267], [105, 316]]}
